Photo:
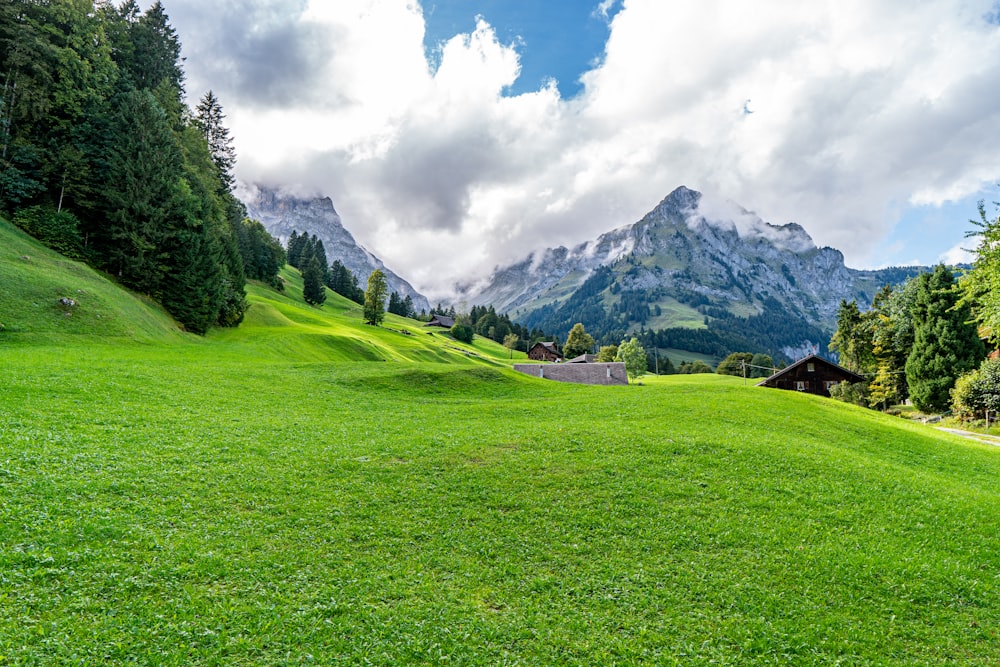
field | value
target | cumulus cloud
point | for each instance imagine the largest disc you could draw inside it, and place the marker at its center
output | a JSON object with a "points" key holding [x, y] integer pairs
{"points": [[960, 254], [860, 109]]}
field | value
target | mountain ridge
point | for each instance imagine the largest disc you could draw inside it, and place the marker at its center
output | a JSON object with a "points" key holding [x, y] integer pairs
{"points": [[694, 258], [281, 213]]}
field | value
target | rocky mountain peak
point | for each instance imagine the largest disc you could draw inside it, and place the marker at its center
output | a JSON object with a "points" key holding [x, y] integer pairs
{"points": [[693, 256], [282, 212]]}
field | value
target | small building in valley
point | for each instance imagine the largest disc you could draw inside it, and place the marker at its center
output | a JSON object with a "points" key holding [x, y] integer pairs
{"points": [[611, 373], [441, 321], [813, 375], [545, 352], [583, 359]]}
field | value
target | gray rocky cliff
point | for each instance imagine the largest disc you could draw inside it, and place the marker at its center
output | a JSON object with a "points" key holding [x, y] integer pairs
{"points": [[718, 255], [282, 213]]}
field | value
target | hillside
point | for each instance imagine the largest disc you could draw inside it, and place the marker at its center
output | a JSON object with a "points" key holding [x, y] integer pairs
{"points": [[308, 489], [32, 281]]}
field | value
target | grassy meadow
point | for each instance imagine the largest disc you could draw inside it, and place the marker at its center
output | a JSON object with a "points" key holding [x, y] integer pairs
{"points": [[309, 490]]}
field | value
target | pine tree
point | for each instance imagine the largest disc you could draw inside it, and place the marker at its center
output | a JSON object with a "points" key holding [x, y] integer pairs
{"points": [[156, 56], [945, 344], [981, 285], [374, 310], [395, 304], [313, 290], [145, 166], [209, 120], [319, 252], [297, 246]]}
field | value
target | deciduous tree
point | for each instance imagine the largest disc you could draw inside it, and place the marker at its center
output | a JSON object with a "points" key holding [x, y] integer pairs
{"points": [[578, 342], [374, 309], [510, 342], [634, 356]]}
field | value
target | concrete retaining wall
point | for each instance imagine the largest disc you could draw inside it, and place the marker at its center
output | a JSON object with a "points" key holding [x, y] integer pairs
{"points": [[601, 373]]}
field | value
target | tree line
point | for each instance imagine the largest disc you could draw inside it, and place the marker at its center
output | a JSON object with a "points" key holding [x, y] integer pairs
{"points": [[101, 159], [914, 342]]}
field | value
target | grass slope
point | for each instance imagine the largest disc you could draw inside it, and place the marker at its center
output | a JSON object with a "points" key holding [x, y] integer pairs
{"points": [[33, 279], [282, 326], [273, 495]]}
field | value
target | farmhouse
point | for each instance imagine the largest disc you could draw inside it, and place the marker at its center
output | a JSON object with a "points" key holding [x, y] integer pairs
{"points": [[441, 321], [545, 352], [813, 375]]}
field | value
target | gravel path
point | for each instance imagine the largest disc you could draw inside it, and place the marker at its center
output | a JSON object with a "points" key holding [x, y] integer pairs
{"points": [[988, 439]]}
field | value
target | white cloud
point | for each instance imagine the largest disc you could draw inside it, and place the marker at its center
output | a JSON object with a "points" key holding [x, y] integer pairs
{"points": [[960, 254], [860, 109]]}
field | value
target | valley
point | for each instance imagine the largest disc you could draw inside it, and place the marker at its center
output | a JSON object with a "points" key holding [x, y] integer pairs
{"points": [[306, 488]]}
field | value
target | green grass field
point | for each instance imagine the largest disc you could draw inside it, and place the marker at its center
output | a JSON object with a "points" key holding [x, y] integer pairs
{"points": [[309, 490]]}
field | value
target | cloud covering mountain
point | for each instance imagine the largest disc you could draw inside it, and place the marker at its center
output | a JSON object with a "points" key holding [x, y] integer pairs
{"points": [[840, 116]]}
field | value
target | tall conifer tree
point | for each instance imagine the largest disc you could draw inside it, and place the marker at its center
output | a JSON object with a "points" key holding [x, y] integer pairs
{"points": [[313, 290], [945, 343]]}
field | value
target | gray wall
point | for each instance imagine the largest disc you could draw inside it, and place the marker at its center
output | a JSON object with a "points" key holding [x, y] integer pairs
{"points": [[578, 373]]}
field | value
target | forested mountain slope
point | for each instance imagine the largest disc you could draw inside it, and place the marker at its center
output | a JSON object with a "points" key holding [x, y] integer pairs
{"points": [[689, 265]]}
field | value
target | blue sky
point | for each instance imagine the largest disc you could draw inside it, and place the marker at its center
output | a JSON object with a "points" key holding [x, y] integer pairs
{"points": [[433, 128], [556, 40]]}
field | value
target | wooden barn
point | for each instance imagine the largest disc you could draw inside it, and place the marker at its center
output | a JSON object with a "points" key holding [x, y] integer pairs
{"points": [[545, 352], [813, 375], [441, 321]]}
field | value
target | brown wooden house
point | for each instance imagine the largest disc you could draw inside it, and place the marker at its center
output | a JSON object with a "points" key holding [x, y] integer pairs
{"points": [[813, 375], [545, 352], [441, 321]]}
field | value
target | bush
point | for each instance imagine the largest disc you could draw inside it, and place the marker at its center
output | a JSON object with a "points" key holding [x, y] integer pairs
{"points": [[856, 393], [462, 332], [736, 364], [57, 230], [607, 353], [977, 391], [694, 367]]}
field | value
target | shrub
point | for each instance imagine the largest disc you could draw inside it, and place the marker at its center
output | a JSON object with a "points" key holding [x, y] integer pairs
{"points": [[694, 367], [736, 364], [462, 332], [977, 391], [856, 393], [607, 353], [59, 230]]}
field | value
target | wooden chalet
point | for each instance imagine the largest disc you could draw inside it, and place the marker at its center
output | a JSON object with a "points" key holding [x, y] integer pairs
{"points": [[813, 375], [545, 352], [441, 321]]}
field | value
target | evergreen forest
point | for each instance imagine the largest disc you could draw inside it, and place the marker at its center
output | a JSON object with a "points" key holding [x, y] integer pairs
{"points": [[101, 158]]}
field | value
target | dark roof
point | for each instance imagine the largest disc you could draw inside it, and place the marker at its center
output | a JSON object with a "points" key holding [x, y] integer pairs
{"points": [[441, 321], [583, 359], [549, 347], [812, 358]]}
